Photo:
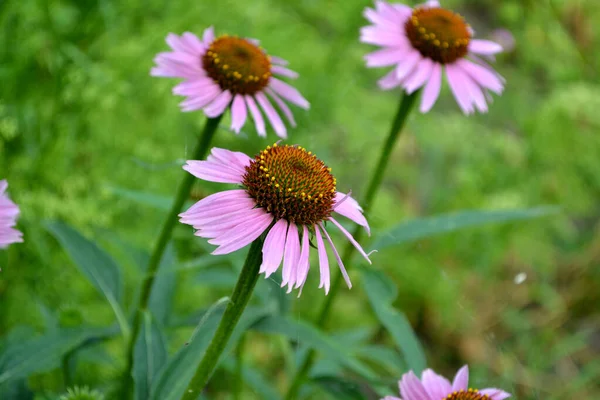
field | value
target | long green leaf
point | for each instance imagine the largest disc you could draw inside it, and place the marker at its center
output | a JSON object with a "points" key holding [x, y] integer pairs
{"points": [[161, 296], [175, 376], [40, 354], [430, 226], [97, 265], [150, 354], [255, 380], [310, 336], [150, 199], [382, 292]]}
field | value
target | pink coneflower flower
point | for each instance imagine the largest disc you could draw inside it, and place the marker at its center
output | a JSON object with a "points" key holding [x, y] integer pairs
{"points": [[229, 71], [435, 387], [285, 188], [424, 41], [8, 218]]}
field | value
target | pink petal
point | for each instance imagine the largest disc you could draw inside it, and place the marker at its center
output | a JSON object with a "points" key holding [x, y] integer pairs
{"points": [[278, 60], [289, 93], [248, 233], [279, 70], [482, 75], [226, 227], [237, 194], [323, 260], [220, 220], [461, 380], [208, 36], [351, 239], [350, 208], [193, 42], [337, 257], [195, 87], [218, 105], [420, 76], [184, 58], [393, 13], [474, 90], [291, 257], [303, 263], [200, 101], [213, 172], [385, 57], [3, 186], [381, 19], [389, 81], [272, 115], [231, 158], [391, 398], [459, 89], [495, 394], [382, 37], [273, 248], [286, 110], [216, 210], [174, 42], [256, 115], [432, 88], [437, 386], [411, 388], [238, 113], [408, 64], [485, 47]]}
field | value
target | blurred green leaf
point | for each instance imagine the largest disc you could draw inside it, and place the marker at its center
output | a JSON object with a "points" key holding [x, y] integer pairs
{"points": [[161, 296], [26, 357], [153, 200], [150, 354], [253, 377], [97, 265], [175, 376], [383, 357], [341, 389], [382, 292], [430, 226], [310, 336]]}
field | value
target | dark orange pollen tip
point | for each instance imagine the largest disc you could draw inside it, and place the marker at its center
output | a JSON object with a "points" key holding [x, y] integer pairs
{"points": [[237, 65], [438, 34], [291, 183], [470, 394]]}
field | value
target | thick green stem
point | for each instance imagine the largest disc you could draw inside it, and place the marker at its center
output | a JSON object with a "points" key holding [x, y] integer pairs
{"points": [[183, 194], [239, 299], [406, 105]]}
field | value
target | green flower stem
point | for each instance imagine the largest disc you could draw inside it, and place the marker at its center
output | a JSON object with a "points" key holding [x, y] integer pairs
{"points": [[183, 193], [239, 299], [404, 109]]}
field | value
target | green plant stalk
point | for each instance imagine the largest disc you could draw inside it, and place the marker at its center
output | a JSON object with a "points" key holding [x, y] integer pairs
{"points": [[183, 193], [404, 109], [239, 299], [238, 380]]}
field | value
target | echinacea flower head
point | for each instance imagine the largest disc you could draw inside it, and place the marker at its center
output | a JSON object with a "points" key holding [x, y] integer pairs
{"points": [[424, 41], [287, 191], [230, 72], [9, 212], [432, 386]]}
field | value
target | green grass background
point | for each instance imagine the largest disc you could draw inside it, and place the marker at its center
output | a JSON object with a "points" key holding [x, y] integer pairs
{"points": [[80, 116]]}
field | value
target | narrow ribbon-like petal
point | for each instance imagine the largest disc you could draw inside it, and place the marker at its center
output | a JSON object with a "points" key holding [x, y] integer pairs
{"points": [[291, 257], [273, 248], [259, 122], [218, 105], [238, 113], [289, 93], [351, 239], [272, 115], [323, 260], [484, 47], [495, 394], [337, 257], [303, 263]]}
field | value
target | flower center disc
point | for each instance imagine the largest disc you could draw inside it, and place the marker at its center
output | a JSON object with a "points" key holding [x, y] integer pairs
{"points": [[237, 65], [291, 183], [471, 394], [438, 34]]}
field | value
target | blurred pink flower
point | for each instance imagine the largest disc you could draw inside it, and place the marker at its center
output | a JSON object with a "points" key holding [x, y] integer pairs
{"points": [[229, 71], [8, 218], [422, 42], [288, 191], [435, 387]]}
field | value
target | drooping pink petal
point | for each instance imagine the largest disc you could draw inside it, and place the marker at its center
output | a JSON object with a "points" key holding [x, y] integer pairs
{"points": [[408, 64], [221, 208], [461, 379], [411, 388], [291, 257], [278, 61], [459, 89], [385, 57], [281, 104], [432, 89], [259, 122], [210, 221], [351, 239], [485, 47], [482, 75], [477, 96], [208, 36], [247, 233], [233, 159], [419, 76], [272, 115], [9, 212], [323, 261], [273, 248], [218, 105], [495, 394], [304, 262], [238, 113], [194, 87], [236, 194], [437, 386], [197, 102], [350, 208], [337, 256], [288, 92], [389, 81], [283, 71], [183, 58], [213, 173]]}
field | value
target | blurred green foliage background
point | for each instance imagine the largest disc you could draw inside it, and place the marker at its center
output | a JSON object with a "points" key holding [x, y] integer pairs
{"points": [[82, 123]]}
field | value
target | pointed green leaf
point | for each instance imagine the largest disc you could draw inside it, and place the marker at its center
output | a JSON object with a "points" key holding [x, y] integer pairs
{"points": [[430, 226], [150, 354]]}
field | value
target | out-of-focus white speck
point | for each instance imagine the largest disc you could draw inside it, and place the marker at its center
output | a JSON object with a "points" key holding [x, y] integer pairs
{"points": [[520, 278]]}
